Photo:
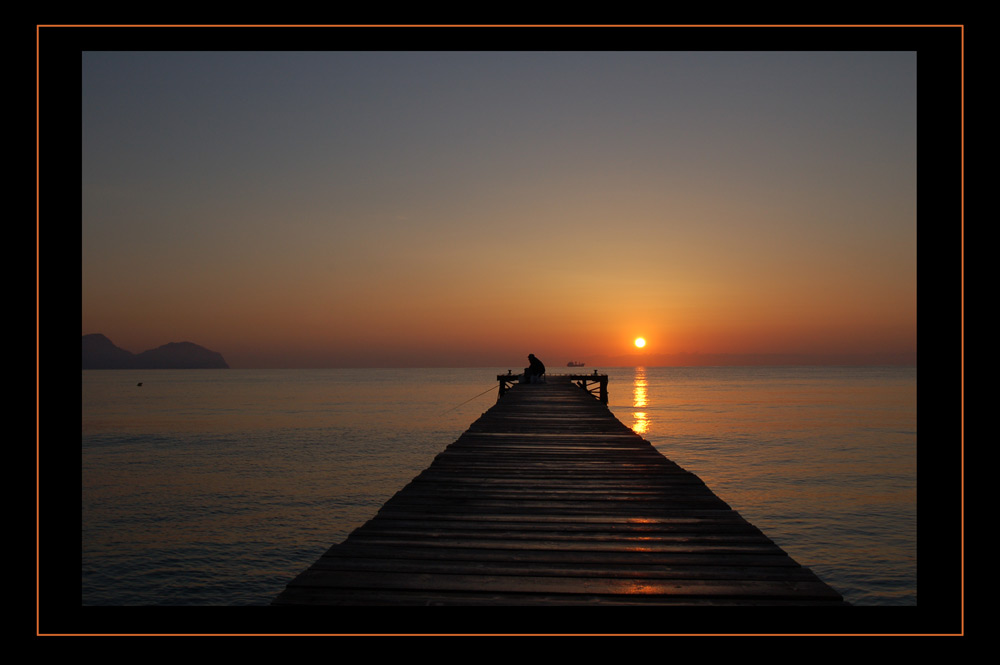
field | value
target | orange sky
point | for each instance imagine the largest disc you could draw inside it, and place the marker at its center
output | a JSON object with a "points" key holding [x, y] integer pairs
{"points": [[392, 209]]}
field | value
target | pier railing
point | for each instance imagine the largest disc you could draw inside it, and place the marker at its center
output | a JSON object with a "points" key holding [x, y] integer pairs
{"points": [[594, 383]]}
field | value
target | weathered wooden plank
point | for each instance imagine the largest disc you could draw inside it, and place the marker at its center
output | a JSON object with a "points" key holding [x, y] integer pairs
{"points": [[637, 558], [582, 523], [401, 597], [421, 530], [724, 547], [640, 560], [586, 585], [561, 569]]}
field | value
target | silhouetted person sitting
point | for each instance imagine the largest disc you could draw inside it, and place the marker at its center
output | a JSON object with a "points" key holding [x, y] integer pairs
{"points": [[534, 372]]}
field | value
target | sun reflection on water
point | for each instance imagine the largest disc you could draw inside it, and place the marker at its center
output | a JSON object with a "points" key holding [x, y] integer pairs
{"points": [[640, 401]]}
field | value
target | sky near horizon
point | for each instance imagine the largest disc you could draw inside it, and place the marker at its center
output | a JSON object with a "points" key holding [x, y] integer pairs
{"points": [[328, 209]]}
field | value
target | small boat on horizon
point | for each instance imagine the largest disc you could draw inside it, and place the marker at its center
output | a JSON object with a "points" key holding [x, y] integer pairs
{"points": [[572, 363]]}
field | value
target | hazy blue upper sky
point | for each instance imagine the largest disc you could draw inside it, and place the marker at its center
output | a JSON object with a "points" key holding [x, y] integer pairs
{"points": [[328, 208]]}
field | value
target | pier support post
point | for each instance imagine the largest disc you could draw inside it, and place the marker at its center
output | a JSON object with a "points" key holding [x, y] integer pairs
{"points": [[506, 381]]}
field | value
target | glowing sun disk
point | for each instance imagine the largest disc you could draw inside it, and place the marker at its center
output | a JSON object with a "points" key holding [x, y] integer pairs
{"points": [[640, 342]]}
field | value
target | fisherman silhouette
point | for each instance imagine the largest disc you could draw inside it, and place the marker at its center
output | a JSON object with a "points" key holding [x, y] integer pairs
{"points": [[535, 371]]}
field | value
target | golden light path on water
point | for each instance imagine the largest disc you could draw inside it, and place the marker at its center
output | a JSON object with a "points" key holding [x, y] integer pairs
{"points": [[639, 401]]}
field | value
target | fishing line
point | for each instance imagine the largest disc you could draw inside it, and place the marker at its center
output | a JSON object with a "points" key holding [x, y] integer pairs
{"points": [[493, 387]]}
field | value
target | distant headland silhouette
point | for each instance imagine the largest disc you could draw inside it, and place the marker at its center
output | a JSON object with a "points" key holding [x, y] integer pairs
{"points": [[99, 352]]}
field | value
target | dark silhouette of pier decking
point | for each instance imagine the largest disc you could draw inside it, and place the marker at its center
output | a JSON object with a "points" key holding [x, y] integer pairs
{"points": [[548, 499]]}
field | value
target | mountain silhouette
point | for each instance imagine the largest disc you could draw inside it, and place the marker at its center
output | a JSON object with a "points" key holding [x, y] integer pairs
{"points": [[99, 352]]}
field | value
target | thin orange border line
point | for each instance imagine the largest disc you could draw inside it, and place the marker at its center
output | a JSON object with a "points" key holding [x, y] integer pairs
{"points": [[503, 25], [962, 355]]}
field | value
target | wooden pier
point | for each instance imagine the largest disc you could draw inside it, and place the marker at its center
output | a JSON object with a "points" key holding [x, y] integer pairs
{"points": [[548, 499]]}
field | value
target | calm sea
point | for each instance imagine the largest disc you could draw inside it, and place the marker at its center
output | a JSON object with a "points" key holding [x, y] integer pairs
{"points": [[215, 487]]}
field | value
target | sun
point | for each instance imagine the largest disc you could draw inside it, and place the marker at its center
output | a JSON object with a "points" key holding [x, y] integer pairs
{"points": [[640, 342]]}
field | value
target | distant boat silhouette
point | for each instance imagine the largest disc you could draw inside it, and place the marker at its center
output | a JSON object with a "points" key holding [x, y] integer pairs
{"points": [[572, 363]]}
